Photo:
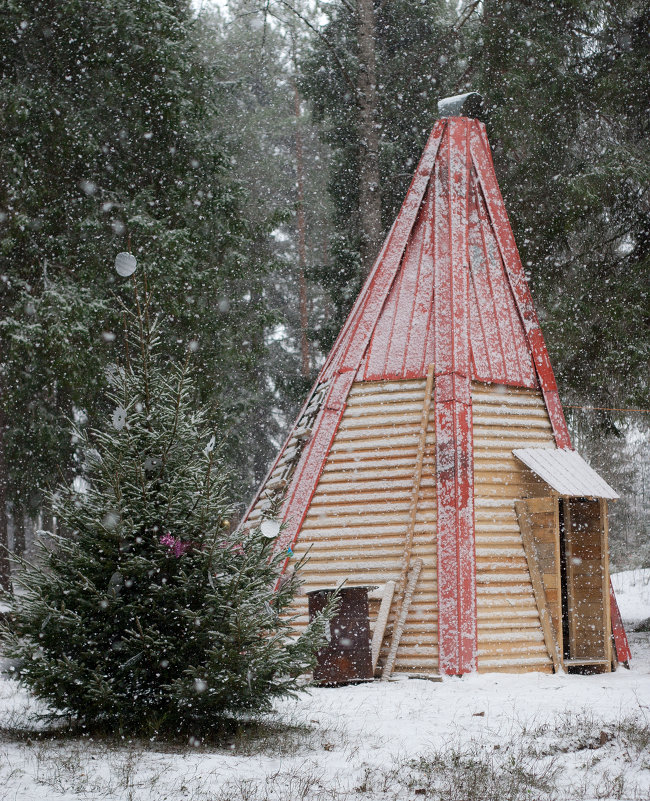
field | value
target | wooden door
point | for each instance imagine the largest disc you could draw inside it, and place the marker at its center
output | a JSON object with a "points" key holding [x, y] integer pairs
{"points": [[586, 580]]}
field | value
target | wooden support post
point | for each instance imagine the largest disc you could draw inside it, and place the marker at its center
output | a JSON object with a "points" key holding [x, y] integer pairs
{"points": [[528, 538], [559, 633], [604, 555]]}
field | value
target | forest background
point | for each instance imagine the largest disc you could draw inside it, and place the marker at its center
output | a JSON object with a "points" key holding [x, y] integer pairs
{"points": [[253, 155]]}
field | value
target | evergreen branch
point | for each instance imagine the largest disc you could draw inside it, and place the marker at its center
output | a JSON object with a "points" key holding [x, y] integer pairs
{"points": [[345, 3], [172, 435]]}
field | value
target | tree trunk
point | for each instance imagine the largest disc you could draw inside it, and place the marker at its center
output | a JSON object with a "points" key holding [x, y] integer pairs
{"points": [[19, 531], [302, 255], [369, 187], [5, 570]]}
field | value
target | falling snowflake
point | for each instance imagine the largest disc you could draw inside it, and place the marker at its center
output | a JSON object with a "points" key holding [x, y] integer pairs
{"points": [[119, 418]]}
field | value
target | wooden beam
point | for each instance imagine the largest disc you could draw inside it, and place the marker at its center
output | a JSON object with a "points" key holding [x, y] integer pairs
{"points": [[380, 623], [604, 555], [521, 508], [413, 510], [559, 633], [414, 575]]}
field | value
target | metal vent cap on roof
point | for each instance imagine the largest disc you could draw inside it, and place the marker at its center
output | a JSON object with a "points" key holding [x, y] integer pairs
{"points": [[468, 105]]}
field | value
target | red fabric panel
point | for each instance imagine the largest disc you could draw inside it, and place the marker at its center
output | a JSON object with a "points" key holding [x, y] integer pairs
{"points": [[457, 636], [499, 345], [623, 652], [400, 347], [352, 342]]}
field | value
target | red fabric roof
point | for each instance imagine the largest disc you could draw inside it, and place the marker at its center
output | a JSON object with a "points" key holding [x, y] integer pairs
{"points": [[390, 332], [402, 343]]}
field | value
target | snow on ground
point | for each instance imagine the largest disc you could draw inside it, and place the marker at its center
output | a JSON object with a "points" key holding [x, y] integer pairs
{"points": [[632, 589], [481, 737]]}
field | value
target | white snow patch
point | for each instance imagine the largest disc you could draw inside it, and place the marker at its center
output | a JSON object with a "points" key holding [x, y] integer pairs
{"points": [[632, 588], [354, 737]]}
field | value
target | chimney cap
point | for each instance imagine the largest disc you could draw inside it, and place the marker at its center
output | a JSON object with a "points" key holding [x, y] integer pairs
{"points": [[468, 105]]}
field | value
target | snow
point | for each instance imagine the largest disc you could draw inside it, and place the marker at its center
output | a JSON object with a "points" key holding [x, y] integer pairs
{"points": [[566, 471], [632, 589], [348, 743]]}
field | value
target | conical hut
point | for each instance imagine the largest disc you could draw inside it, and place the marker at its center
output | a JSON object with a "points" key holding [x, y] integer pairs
{"points": [[432, 455]]}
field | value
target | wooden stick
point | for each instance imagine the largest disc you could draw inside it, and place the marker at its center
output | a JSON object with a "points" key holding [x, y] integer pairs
{"points": [[413, 510], [417, 481], [521, 508], [380, 623], [414, 575]]}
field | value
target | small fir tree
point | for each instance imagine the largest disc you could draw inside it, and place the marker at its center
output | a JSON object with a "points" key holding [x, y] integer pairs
{"points": [[149, 614]]}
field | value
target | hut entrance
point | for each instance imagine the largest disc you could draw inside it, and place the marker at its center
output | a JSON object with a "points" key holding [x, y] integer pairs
{"points": [[565, 541], [584, 585]]}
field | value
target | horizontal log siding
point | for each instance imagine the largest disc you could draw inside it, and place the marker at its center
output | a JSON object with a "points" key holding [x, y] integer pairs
{"points": [[510, 635], [356, 523]]}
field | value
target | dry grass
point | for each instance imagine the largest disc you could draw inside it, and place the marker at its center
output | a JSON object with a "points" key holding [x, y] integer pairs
{"points": [[571, 757]]}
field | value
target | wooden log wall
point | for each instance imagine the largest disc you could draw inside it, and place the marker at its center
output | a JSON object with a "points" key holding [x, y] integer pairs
{"points": [[356, 524], [510, 636], [355, 527]]}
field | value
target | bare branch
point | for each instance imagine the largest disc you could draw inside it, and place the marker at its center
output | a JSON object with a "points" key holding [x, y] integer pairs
{"points": [[324, 39], [467, 14], [346, 3]]}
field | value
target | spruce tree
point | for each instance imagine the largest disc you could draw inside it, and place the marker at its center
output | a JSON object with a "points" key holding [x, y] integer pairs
{"points": [[418, 52], [148, 613], [110, 114]]}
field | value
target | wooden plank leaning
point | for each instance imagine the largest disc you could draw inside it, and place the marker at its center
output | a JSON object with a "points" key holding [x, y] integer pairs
{"points": [[525, 525], [400, 622], [405, 572], [381, 622]]}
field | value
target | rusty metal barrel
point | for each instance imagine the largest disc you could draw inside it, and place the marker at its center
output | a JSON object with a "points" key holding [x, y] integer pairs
{"points": [[347, 658]]}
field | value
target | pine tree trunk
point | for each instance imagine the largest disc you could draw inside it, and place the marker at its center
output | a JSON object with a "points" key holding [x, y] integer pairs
{"points": [[5, 570], [19, 531], [302, 255], [369, 186]]}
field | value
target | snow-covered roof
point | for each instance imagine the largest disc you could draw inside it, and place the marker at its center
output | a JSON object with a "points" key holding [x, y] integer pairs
{"points": [[566, 471]]}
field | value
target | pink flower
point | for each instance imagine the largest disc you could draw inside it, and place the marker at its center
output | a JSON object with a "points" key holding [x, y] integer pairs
{"points": [[177, 547]]}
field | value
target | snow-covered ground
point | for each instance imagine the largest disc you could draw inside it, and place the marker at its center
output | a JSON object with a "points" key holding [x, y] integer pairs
{"points": [[505, 737], [632, 589]]}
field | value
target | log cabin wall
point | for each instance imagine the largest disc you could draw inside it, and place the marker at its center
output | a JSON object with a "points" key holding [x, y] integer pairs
{"points": [[510, 635], [354, 528], [356, 522]]}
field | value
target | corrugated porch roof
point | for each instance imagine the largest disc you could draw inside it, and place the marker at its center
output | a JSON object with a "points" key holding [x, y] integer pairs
{"points": [[566, 472]]}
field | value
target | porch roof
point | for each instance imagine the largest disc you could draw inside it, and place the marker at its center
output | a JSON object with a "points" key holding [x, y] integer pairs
{"points": [[566, 472]]}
